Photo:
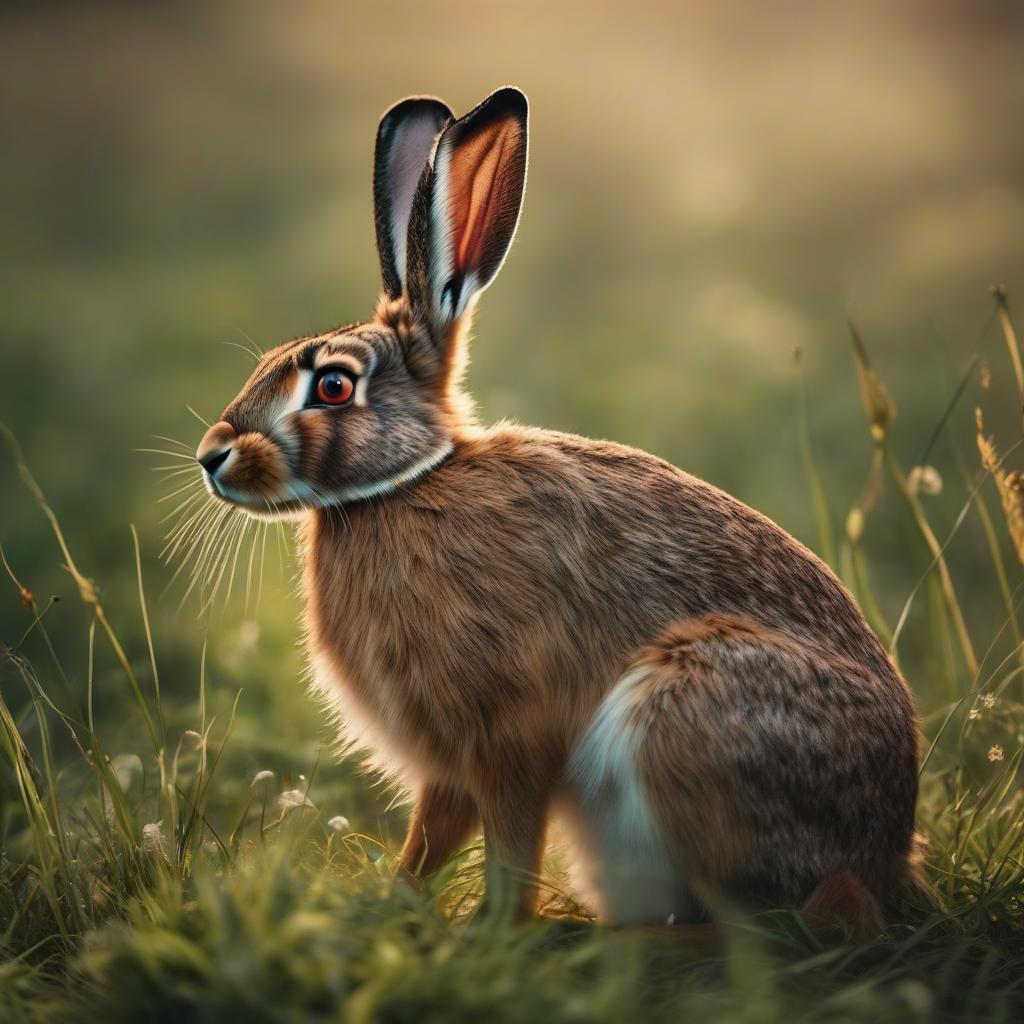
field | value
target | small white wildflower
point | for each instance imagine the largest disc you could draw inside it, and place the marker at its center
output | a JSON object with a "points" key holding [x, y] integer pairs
{"points": [[153, 837], [925, 480], [339, 823], [193, 737], [263, 776], [294, 798], [989, 700], [995, 752], [974, 714]]}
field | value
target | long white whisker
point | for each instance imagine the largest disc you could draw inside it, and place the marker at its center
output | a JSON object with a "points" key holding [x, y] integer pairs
{"points": [[198, 417], [263, 564], [247, 351], [234, 558], [219, 564], [257, 351], [186, 505], [196, 534], [194, 521], [208, 546], [171, 455], [173, 440], [191, 485]]}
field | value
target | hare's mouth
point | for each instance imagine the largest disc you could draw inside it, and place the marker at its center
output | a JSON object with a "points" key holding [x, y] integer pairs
{"points": [[256, 504]]}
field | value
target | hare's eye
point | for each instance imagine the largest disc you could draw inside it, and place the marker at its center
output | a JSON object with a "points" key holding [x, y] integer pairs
{"points": [[335, 387]]}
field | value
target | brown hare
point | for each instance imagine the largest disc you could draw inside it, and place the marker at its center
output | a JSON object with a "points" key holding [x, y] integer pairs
{"points": [[518, 623]]}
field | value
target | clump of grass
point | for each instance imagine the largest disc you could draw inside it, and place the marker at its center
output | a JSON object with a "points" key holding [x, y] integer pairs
{"points": [[124, 896]]}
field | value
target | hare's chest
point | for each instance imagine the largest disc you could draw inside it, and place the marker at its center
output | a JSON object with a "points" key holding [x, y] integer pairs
{"points": [[383, 658]]}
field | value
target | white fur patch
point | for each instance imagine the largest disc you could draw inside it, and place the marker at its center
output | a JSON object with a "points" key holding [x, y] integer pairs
{"points": [[624, 851], [362, 728], [299, 491]]}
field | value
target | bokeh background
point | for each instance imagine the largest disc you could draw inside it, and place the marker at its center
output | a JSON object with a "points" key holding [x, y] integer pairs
{"points": [[711, 188]]}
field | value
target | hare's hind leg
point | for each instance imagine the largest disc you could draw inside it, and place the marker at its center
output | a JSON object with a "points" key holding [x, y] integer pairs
{"points": [[733, 763]]}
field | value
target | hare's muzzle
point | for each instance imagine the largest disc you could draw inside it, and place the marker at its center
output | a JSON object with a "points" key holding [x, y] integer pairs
{"points": [[247, 469]]}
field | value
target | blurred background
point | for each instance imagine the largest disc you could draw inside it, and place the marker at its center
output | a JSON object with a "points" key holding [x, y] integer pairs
{"points": [[711, 188]]}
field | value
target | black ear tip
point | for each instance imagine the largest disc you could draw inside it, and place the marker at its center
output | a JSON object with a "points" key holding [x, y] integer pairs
{"points": [[511, 101], [419, 106]]}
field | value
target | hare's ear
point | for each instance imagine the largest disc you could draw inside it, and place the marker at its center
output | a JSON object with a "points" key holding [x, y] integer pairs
{"points": [[467, 207], [405, 140]]}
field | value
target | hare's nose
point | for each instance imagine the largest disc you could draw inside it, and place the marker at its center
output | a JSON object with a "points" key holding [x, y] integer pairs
{"points": [[213, 461], [215, 447]]}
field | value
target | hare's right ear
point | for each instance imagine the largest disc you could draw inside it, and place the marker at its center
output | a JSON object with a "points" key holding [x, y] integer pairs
{"points": [[405, 141], [466, 209]]}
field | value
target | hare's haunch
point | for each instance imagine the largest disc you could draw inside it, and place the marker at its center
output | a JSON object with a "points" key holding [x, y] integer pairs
{"points": [[516, 623]]}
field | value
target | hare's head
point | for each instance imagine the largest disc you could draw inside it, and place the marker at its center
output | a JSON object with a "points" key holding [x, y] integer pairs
{"points": [[353, 412]]}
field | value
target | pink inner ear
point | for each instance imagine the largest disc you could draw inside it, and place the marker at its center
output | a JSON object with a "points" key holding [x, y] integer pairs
{"points": [[475, 199], [405, 166]]}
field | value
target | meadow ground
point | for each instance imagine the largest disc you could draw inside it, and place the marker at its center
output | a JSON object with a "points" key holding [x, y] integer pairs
{"points": [[149, 873]]}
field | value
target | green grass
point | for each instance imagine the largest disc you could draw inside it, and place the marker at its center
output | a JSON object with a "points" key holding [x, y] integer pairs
{"points": [[151, 871]]}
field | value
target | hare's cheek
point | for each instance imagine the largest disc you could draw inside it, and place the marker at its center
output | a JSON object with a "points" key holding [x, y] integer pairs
{"points": [[313, 436], [258, 468]]}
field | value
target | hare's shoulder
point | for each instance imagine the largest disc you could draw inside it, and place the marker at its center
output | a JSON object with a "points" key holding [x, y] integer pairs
{"points": [[563, 468], [550, 456]]}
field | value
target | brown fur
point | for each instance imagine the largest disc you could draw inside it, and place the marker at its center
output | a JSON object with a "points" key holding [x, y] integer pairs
{"points": [[469, 624]]}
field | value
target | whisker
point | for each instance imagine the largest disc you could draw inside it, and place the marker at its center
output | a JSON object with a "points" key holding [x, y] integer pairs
{"points": [[242, 530], [259, 352], [198, 417], [263, 563], [182, 508], [218, 566], [173, 440], [176, 537], [247, 351], [198, 534], [248, 571], [190, 486], [163, 451], [209, 547], [205, 536], [193, 519]]}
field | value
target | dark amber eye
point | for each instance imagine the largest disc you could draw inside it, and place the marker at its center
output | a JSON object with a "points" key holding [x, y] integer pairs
{"points": [[334, 388]]}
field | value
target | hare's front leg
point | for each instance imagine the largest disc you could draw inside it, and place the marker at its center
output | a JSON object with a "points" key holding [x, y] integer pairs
{"points": [[514, 812], [443, 819]]}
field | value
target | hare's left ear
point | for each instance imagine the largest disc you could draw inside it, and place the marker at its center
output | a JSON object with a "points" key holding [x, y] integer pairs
{"points": [[405, 140], [467, 207]]}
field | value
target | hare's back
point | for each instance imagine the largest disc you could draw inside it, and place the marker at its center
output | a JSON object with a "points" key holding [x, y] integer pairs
{"points": [[636, 534]]}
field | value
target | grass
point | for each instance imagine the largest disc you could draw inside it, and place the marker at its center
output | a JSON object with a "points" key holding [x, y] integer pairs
{"points": [[146, 876]]}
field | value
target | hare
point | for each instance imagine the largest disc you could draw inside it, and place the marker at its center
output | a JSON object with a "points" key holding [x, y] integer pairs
{"points": [[518, 623]]}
